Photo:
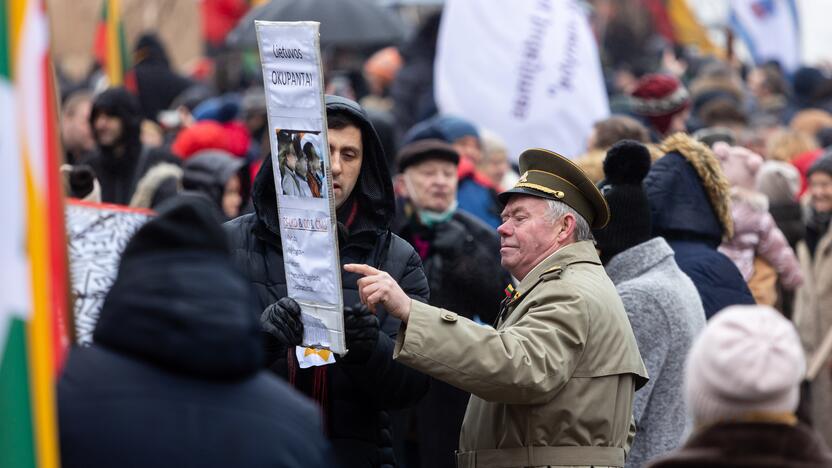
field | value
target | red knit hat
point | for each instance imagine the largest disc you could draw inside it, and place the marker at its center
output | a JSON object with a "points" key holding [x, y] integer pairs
{"points": [[659, 97]]}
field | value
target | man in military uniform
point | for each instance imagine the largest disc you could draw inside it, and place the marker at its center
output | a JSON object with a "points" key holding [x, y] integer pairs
{"points": [[553, 383]]}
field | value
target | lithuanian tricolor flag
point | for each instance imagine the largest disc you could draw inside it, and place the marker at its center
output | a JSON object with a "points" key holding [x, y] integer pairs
{"points": [[33, 286], [110, 45]]}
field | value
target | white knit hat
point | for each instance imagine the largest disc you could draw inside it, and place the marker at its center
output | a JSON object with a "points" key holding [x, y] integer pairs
{"points": [[748, 359]]}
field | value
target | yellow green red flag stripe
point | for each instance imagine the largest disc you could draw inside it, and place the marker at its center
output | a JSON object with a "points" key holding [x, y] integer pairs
{"points": [[110, 44], [33, 293]]}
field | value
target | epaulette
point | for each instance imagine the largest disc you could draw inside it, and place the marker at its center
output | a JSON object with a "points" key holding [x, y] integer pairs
{"points": [[552, 273]]}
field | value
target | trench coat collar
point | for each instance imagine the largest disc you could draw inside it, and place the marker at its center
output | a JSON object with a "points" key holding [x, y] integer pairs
{"points": [[578, 252]]}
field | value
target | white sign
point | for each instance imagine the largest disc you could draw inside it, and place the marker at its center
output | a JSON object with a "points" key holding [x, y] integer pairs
{"points": [[530, 72], [290, 57]]}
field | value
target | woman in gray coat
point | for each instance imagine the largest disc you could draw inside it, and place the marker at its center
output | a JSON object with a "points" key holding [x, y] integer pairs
{"points": [[662, 303]]}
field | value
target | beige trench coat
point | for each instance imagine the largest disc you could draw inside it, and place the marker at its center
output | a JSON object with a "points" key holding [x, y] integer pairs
{"points": [[813, 319], [553, 384]]}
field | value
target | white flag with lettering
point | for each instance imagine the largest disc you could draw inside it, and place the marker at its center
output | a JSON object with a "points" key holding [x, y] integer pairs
{"points": [[528, 70]]}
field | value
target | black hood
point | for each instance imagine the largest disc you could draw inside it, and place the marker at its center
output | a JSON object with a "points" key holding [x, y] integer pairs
{"points": [[149, 49], [373, 193], [178, 302], [118, 102], [157, 84]]}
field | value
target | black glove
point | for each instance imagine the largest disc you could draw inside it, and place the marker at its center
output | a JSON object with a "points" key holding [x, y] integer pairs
{"points": [[281, 321], [361, 332]]}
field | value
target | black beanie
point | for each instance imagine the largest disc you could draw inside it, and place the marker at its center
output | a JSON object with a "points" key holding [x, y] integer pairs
{"points": [[186, 222], [178, 302], [625, 167], [822, 164]]}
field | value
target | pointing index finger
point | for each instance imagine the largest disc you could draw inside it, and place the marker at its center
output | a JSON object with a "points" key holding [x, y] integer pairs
{"points": [[361, 269]]}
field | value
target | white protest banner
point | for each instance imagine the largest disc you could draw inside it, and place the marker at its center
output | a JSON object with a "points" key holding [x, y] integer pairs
{"points": [[290, 57], [98, 234], [528, 70]]}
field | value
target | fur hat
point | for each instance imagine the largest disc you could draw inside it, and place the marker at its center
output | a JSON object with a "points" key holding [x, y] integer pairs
{"points": [[658, 97], [747, 360], [739, 164]]}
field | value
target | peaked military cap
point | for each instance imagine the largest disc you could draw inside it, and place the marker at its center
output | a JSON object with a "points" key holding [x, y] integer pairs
{"points": [[546, 174]]}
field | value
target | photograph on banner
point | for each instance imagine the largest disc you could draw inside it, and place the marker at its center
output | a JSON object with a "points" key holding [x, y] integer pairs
{"points": [[290, 58], [301, 167]]}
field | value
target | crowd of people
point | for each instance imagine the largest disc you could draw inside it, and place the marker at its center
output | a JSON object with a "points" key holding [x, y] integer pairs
{"points": [[656, 301]]}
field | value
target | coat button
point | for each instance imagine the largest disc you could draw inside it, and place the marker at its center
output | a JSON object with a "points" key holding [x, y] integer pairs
{"points": [[449, 317]]}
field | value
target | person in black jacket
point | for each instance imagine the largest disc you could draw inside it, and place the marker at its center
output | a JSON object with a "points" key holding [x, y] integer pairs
{"points": [[361, 386], [174, 377], [460, 256], [120, 161], [157, 85]]}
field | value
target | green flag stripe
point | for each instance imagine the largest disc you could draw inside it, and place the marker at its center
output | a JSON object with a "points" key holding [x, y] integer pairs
{"points": [[17, 446], [5, 42], [122, 47]]}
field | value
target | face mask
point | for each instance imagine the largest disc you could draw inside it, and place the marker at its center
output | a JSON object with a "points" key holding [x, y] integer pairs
{"points": [[430, 218]]}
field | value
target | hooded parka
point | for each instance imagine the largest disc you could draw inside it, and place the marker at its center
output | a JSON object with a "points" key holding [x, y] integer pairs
{"points": [[357, 395], [690, 207]]}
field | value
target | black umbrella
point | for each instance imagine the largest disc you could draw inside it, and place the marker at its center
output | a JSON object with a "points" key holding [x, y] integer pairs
{"points": [[355, 23]]}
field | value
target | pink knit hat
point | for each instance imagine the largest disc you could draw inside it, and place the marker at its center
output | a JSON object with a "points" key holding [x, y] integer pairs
{"points": [[739, 164], [748, 359]]}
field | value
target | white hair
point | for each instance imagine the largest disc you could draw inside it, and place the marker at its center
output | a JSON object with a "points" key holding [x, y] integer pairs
{"points": [[491, 144], [558, 210]]}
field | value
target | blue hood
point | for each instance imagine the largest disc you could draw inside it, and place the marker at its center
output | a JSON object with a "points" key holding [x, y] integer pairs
{"points": [[688, 193]]}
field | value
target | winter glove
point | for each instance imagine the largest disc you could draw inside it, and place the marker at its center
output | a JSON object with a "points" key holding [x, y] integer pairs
{"points": [[361, 330], [281, 321]]}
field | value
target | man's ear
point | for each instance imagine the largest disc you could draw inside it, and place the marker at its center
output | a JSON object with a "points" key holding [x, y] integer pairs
{"points": [[568, 232], [399, 186]]}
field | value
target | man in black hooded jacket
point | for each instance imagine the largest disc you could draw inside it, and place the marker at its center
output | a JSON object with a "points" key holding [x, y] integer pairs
{"points": [[120, 160], [355, 392]]}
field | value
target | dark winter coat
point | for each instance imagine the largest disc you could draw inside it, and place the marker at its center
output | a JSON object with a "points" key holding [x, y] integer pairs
{"points": [[119, 168], [462, 263], [689, 204], [757, 445], [157, 84], [174, 378], [358, 395], [789, 218]]}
